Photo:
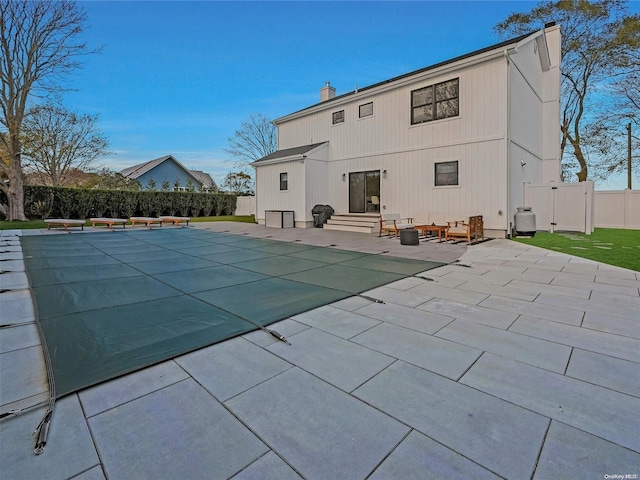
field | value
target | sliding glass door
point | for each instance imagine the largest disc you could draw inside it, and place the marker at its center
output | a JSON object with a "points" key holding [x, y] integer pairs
{"points": [[364, 192]]}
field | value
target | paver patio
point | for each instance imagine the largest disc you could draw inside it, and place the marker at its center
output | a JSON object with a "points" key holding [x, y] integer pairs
{"points": [[524, 364]]}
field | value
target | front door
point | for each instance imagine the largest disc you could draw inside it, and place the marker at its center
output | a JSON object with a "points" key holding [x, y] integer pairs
{"points": [[364, 192]]}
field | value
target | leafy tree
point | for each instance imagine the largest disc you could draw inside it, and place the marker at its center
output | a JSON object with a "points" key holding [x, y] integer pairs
{"points": [[39, 46], [166, 186], [107, 179], [58, 142], [151, 184], [239, 183], [256, 138], [599, 40]]}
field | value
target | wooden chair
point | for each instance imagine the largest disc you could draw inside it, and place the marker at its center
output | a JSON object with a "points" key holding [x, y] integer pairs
{"points": [[473, 228], [392, 223]]}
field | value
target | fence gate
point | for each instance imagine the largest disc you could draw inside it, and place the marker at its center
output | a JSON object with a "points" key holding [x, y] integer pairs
{"points": [[562, 206]]}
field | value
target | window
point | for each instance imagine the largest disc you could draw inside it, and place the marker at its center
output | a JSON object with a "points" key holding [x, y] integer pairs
{"points": [[366, 110], [338, 117], [435, 102], [446, 173], [284, 182]]}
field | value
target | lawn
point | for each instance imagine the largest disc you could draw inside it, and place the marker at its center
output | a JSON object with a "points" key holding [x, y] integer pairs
{"points": [[607, 245], [31, 224]]}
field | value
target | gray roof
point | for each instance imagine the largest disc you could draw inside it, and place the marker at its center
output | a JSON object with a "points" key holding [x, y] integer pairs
{"points": [[142, 168], [421, 70], [289, 152]]}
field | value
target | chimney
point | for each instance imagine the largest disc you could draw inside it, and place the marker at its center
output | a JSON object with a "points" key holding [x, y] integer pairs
{"points": [[327, 92]]}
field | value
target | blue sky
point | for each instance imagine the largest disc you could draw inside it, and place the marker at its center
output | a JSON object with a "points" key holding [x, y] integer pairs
{"points": [[179, 77]]}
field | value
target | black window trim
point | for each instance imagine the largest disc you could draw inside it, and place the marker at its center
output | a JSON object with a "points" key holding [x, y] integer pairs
{"points": [[360, 110], [284, 182], [333, 117], [457, 173], [434, 103]]}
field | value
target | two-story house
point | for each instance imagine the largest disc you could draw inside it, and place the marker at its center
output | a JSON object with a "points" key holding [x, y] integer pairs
{"points": [[463, 135]]}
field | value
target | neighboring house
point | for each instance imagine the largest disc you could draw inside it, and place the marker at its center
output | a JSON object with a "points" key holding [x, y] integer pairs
{"points": [[168, 169], [461, 136]]}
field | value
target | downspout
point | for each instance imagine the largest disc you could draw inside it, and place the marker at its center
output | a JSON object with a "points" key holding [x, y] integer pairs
{"points": [[508, 220]]}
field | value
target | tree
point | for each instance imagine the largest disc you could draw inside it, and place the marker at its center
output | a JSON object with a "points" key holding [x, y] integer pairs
{"points": [[256, 138], [239, 183], [598, 40], [57, 143], [38, 47], [107, 179]]}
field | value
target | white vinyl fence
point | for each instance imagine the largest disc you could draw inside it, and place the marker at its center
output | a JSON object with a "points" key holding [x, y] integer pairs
{"points": [[617, 209], [562, 206]]}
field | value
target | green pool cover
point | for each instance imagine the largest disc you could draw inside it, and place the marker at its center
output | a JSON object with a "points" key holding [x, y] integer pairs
{"points": [[112, 303]]}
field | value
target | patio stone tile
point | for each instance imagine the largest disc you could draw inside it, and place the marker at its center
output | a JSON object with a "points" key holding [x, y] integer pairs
{"points": [[121, 390], [418, 458], [229, 368], [535, 309], [419, 320], [507, 291], [472, 313], [406, 283], [398, 297], [351, 303], [551, 266], [487, 278], [538, 288], [336, 321], [614, 373], [287, 327], [540, 353], [69, 450], [268, 467], [177, 432], [596, 410], [503, 437], [455, 295], [584, 338], [617, 325], [594, 306], [13, 281], [321, 431], [435, 354], [622, 282], [16, 306], [333, 359], [570, 453], [18, 337], [9, 265], [610, 298], [22, 374]]}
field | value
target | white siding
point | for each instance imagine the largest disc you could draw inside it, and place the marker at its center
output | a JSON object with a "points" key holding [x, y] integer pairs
{"points": [[509, 111], [268, 193]]}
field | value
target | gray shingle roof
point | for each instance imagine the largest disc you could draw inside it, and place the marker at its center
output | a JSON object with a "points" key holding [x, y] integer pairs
{"points": [[289, 152]]}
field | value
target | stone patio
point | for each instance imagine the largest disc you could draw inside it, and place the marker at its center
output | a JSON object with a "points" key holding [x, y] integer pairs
{"points": [[512, 362]]}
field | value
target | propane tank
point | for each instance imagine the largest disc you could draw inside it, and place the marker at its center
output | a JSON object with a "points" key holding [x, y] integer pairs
{"points": [[525, 221]]}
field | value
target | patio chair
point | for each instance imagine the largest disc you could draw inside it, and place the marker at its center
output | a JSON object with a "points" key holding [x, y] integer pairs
{"points": [[393, 223]]}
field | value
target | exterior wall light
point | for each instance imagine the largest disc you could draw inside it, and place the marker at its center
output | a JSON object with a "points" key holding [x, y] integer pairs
{"points": [[344, 177], [384, 174]]}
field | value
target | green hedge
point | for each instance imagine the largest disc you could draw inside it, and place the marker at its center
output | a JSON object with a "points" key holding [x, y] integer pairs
{"points": [[51, 202]]}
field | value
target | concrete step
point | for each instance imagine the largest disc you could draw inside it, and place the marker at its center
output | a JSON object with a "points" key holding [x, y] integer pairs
{"points": [[349, 228], [350, 221]]}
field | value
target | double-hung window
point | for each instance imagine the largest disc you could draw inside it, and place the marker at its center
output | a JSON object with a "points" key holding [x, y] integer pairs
{"points": [[435, 102], [446, 173], [284, 181]]}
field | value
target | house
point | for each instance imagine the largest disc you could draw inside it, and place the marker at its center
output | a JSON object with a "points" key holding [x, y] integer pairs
{"points": [[169, 169], [464, 135]]}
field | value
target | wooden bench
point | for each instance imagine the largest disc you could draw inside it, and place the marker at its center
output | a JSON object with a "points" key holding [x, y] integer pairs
{"points": [[65, 222], [176, 220], [148, 221], [392, 223], [110, 222], [473, 228]]}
